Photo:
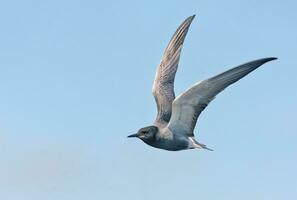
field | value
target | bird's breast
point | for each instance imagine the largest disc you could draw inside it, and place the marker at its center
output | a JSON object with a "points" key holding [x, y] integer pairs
{"points": [[165, 139]]}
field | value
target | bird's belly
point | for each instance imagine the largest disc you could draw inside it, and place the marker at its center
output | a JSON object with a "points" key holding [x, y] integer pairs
{"points": [[174, 144]]}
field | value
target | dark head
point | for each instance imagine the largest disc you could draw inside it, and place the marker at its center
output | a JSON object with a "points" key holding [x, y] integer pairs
{"points": [[146, 133]]}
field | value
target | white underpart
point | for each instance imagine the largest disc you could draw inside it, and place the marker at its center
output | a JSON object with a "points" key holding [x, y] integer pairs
{"points": [[193, 144]]}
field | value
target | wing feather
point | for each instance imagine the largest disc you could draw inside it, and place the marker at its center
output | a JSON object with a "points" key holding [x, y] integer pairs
{"points": [[163, 87], [188, 106]]}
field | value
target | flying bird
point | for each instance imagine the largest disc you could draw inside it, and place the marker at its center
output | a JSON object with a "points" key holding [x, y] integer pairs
{"points": [[173, 128]]}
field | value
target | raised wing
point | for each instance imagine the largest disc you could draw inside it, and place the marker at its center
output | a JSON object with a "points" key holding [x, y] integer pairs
{"points": [[188, 106], [163, 88]]}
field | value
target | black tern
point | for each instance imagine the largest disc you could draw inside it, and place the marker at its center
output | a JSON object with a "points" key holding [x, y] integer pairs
{"points": [[174, 125]]}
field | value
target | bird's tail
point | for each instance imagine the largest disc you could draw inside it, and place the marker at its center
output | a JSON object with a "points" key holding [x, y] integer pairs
{"points": [[200, 146]]}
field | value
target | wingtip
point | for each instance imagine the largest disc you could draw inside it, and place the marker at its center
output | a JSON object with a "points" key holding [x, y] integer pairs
{"points": [[261, 61], [264, 60], [191, 17], [272, 58]]}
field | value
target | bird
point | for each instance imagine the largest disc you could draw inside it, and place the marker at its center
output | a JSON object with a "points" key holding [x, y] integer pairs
{"points": [[173, 128]]}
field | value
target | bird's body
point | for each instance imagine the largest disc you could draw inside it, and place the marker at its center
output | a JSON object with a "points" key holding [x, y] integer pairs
{"points": [[174, 125], [165, 139]]}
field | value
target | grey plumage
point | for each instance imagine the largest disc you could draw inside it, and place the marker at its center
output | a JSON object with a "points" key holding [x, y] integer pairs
{"points": [[188, 106], [174, 125], [163, 88]]}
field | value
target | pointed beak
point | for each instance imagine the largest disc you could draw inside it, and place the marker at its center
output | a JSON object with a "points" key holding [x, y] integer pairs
{"points": [[133, 135]]}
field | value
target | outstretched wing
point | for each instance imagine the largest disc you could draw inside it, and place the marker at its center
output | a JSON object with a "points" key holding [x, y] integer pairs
{"points": [[188, 106], [163, 88]]}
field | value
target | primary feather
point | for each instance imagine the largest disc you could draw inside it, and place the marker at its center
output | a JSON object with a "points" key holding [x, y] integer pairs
{"points": [[188, 106], [163, 88]]}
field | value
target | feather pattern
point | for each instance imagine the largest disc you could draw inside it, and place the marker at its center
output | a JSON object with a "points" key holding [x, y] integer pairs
{"points": [[188, 106], [163, 87]]}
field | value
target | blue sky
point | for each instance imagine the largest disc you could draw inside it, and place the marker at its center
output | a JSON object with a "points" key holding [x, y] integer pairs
{"points": [[76, 79]]}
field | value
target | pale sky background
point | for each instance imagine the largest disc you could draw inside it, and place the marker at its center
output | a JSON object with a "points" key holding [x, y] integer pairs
{"points": [[76, 79]]}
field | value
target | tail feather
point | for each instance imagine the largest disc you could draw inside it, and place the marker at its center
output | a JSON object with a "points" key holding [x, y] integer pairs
{"points": [[200, 145], [203, 146]]}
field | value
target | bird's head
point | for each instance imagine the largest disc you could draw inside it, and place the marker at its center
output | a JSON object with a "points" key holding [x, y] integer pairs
{"points": [[146, 133]]}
